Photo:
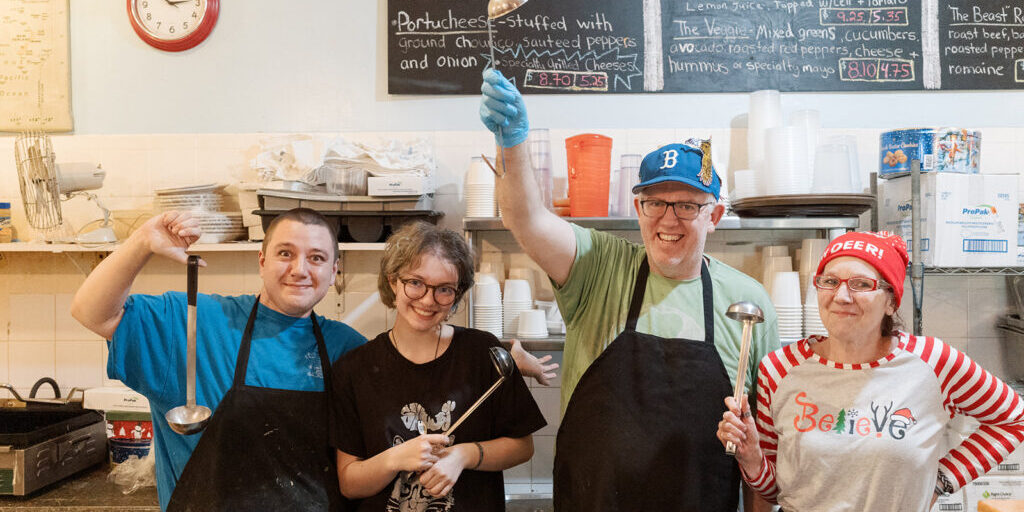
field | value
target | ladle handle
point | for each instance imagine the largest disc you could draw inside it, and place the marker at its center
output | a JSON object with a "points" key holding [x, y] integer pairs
{"points": [[190, 368], [741, 375], [475, 405]]}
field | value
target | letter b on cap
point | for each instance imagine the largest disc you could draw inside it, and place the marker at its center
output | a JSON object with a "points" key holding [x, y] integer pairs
{"points": [[671, 157]]}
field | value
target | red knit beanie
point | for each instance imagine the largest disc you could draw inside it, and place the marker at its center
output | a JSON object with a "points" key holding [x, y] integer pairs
{"points": [[883, 250]]}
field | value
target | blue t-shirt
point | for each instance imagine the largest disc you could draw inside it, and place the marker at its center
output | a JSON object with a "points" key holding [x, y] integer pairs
{"points": [[147, 353]]}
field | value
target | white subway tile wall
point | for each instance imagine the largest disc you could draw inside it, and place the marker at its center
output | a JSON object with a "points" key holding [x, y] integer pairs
{"points": [[39, 338]]}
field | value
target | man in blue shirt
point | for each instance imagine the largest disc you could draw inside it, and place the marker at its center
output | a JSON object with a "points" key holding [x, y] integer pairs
{"points": [[260, 366]]}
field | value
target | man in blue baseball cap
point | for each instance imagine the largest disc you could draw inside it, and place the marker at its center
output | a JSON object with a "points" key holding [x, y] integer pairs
{"points": [[649, 354]]}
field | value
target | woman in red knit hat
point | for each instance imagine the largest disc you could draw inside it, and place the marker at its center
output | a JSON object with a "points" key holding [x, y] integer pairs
{"points": [[856, 420]]}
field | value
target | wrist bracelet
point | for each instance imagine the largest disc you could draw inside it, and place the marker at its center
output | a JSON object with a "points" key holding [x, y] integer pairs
{"points": [[480, 459]]}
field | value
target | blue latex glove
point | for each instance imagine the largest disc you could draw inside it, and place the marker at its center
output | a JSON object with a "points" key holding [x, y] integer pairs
{"points": [[502, 107]]}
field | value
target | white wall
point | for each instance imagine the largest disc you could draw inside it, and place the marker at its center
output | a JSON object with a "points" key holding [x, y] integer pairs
{"points": [[318, 65]]}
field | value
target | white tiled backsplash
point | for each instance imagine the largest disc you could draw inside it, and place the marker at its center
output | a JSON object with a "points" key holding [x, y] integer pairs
{"points": [[39, 338]]}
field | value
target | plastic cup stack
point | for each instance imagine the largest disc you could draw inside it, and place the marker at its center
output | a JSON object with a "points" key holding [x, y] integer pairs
{"points": [[518, 298], [832, 173], [540, 156], [629, 177], [487, 311], [787, 169], [808, 121], [765, 112], [785, 294], [479, 189], [810, 250], [745, 183], [812, 317]]}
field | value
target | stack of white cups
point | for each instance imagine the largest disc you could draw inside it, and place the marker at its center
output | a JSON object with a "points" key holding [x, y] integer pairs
{"points": [[812, 317], [487, 304], [787, 170], [518, 298], [765, 112], [809, 122], [533, 323], [745, 183], [479, 189], [810, 249], [785, 295]]}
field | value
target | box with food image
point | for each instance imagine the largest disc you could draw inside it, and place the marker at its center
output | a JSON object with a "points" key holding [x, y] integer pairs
{"points": [[989, 489], [955, 150]]}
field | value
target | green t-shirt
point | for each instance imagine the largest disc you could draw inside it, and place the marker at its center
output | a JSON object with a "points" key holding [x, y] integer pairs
{"points": [[595, 301]]}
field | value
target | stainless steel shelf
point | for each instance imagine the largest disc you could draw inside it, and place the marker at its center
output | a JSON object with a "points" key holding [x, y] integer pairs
{"points": [[197, 248], [549, 344], [975, 271], [630, 224]]}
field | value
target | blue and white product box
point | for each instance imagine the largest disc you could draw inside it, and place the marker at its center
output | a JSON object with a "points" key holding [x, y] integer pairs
{"points": [[938, 149], [993, 488], [967, 220]]}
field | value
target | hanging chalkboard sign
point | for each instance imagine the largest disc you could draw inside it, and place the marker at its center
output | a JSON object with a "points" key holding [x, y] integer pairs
{"points": [[623, 46]]}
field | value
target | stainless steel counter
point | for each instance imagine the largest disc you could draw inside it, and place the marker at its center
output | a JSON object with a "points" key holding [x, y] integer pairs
{"points": [[86, 491], [89, 491]]}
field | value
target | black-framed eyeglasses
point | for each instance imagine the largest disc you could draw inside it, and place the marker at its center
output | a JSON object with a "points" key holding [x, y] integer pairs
{"points": [[854, 284], [415, 289], [684, 210]]}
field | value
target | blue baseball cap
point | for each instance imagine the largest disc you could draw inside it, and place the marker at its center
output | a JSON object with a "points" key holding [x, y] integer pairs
{"points": [[683, 163]]}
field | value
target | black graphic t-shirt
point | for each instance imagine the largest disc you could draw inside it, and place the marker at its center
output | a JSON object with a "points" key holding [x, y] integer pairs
{"points": [[380, 397]]}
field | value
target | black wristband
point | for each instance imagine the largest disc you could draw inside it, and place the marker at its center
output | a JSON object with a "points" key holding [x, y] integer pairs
{"points": [[480, 459]]}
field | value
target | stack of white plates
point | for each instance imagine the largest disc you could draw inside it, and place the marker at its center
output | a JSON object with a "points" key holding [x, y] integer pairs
{"points": [[220, 227], [487, 305], [479, 190], [517, 298], [196, 198]]}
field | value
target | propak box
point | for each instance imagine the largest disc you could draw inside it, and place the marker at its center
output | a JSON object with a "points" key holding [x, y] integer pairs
{"points": [[967, 220], [399, 185]]}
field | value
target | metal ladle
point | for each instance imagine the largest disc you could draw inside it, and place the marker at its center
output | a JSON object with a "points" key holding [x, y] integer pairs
{"points": [[749, 314], [504, 364], [497, 9], [190, 418]]}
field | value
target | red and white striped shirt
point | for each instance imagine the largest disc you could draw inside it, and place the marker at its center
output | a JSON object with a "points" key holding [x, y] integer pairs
{"points": [[871, 436]]}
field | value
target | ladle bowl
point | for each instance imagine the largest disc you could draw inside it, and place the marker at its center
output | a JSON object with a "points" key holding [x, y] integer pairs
{"points": [[499, 8], [745, 310], [187, 420], [502, 361], [190, 418]]}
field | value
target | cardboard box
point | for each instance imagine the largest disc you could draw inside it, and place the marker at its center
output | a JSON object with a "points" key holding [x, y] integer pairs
{"points": [[115, 399], [993, 488], [399, 185], [1013, 464], [967, 220], [952, 503]]}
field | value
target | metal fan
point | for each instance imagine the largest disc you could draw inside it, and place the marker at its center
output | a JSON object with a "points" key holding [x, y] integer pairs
{"points": [[42, 181]]}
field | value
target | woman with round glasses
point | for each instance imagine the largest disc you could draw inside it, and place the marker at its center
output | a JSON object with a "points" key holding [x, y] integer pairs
{"points": [[399, 393], [855, 420]]}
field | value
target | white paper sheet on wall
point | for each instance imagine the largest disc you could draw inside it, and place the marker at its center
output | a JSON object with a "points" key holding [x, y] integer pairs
{"points": [[35, 66]]}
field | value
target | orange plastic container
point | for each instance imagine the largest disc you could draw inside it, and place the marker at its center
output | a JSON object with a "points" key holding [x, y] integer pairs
{"points": [[589, 157]]}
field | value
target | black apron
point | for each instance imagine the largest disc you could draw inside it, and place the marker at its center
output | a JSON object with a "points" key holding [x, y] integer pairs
{"points": [[264, 448], [639, 431]]}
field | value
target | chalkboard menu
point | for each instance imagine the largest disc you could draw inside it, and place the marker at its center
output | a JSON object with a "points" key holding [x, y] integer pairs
{"points": [[623, 46]]}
